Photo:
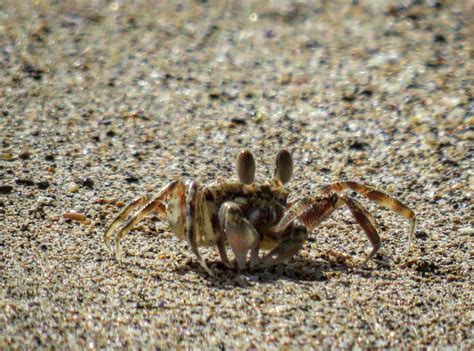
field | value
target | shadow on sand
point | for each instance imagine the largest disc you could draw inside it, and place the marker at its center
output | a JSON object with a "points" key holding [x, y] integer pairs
{"points": [[298, 269]]}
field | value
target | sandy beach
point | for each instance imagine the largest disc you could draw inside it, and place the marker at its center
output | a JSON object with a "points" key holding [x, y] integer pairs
{"points": [[104, 101]]}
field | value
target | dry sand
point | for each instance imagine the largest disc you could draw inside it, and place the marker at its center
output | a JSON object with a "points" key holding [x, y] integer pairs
{"points": [[102, 101]]}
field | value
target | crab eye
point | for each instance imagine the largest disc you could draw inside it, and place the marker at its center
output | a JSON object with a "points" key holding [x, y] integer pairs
{"points": [[246, 167], [283, 166]]}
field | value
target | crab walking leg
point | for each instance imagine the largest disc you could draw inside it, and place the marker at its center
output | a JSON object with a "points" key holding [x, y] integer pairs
{"points": [[241, 235], [192, 204], [310, 211], [154, 205], [222, 251], [367, 223], [379, 197], [292, 240], [139, 201]]}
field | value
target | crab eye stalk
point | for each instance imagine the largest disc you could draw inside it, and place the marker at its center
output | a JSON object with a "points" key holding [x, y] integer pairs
{"points": [[246, 167], [283, 166]]}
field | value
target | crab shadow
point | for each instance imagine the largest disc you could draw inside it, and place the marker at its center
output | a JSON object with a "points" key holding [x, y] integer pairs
{"points": [[297, 270]]}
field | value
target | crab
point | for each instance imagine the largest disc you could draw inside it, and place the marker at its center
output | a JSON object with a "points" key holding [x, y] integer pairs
{"points": [[250, 217]]}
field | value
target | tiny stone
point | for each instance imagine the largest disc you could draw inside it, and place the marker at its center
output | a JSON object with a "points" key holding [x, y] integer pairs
{"points": [[439, 38], [358, 145], [25, 182], [110, 133], [25, 155], [105, 122], [425, 267], [312, 44], [5, 189], [466, 230], [451, 278], [87, 182], [32, 71], [420, 234], [73, 188], [238, 120], [44, 200], [7, 157], [49, 157], [131, 179], [43, 184], [75, 216]]}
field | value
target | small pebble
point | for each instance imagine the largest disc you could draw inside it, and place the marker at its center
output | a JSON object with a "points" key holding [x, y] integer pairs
{"points": [[25, 155], [238, 121], [5, 189], [45, 200], [73, 188], [7, 157], [25, 182], [87, 182], [466, 230], [103, 201], [358, 145], [74, 216], [132, 179], [43, 184]]}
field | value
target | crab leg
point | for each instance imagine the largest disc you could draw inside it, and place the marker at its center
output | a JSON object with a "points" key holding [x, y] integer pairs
{"points": [[154, 205], [379, 197], [222, 251], [311, 212], [192, 203], [241, 235], [139, 201], [367, 223]]}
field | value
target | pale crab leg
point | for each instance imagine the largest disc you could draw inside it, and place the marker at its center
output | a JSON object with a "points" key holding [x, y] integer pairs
{"points": [[192, 204], [241, 235], [379, 197], [139, 201], [311, 212], [154, 205], [367, 223], [222, 251]]}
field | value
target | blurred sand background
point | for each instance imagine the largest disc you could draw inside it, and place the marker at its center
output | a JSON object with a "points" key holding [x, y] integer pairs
{"points": [[101, 101]]}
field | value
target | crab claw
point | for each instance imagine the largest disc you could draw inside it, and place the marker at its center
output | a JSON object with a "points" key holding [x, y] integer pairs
{"points": [[241, 235]]}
